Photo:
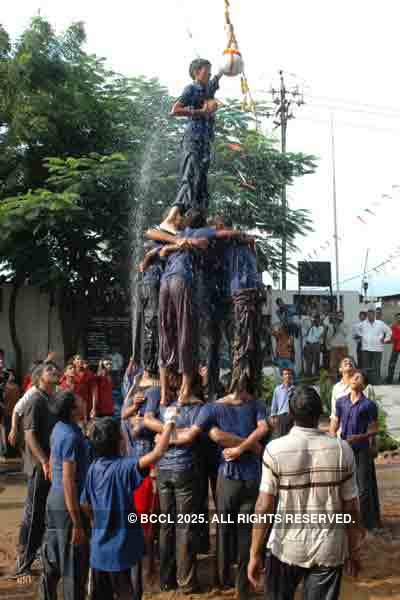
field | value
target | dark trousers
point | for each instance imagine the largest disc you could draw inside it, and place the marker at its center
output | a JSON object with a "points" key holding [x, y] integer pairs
{"points": [[179, 497], [178, 325], [368, 489], [234, 498], [312, 357], [147, 336], [359, 355], [320, 583], [61, 559], [33, 521], [392, 365], [124, 585], [195, 162], [371, 362]]}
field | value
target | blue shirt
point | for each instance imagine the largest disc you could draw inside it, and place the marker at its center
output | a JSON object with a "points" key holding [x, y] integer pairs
{"points": [[116, 544], [182, 262], [241, 420], [141, 442], [68, 444], [177, 458], [193, 96], [355, 418], [280, 400], [240, 268]]}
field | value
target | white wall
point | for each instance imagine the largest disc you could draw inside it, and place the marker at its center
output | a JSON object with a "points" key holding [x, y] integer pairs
{"points": [[34, 333]]}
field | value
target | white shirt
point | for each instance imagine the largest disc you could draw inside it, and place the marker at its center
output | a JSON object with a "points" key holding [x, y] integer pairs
{"points": [[312, 474], [339, 390], [315, 334], [372, 335], [336, 339], [23, 402]]}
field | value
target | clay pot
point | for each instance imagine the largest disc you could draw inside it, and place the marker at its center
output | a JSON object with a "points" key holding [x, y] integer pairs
{"points": [[232, 63]]}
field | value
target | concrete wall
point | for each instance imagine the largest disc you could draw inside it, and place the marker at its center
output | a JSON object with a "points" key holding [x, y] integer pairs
{"points": [[36, 334]]}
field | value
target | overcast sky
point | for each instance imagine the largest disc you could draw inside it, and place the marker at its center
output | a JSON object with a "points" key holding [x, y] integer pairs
{"points": [[344, 53]]}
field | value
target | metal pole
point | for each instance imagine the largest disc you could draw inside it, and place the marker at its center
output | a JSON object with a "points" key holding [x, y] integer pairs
{"points": [[335, 220], [284, 115]]}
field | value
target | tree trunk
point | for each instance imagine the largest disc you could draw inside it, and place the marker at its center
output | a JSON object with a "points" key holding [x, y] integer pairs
{"points": [[73, 313], [12, 310]]}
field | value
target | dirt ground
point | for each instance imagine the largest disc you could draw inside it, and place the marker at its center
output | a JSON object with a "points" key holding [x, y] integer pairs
{"points": [[379, 580]]}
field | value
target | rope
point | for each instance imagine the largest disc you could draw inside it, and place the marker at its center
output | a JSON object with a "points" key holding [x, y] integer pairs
{"points": [[248, 103]]}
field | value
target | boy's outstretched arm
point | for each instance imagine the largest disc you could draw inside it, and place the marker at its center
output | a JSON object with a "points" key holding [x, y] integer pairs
{"points": [[160, 448]]}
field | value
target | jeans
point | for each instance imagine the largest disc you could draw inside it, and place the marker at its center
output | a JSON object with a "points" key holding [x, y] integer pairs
{"points": [[372, 364], [392, 365], [234, 498], [320, 583], [179, 497], [61, 559]]}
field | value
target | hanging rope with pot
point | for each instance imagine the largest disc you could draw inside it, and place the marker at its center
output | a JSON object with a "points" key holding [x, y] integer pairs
{"points": [[233, 64]]}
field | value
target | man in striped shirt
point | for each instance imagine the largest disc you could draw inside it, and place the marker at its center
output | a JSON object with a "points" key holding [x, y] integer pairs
{"points": [[311, 479]]}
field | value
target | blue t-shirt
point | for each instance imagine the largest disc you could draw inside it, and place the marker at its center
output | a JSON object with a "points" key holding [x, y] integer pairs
{"points": [[116, 544], [193, 96], [240, 267], [240, 420], [141, 442], [68, 444], [182, 262], [177, 458], [355, 418]]}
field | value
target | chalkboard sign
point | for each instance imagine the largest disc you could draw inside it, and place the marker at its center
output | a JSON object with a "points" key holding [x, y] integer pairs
{"points": [[106, 334]]}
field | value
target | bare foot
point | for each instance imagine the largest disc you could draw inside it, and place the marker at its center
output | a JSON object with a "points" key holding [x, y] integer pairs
{"points": [[25, 579]]}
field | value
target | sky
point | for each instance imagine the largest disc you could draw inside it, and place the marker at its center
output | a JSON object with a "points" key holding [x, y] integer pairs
{"points": [[344, 55]]}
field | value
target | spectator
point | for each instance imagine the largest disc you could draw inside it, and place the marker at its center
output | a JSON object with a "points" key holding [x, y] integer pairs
{"points": [[395, 349], [280, 415], [306, 472], [12, 394], [68, 383], [85, 384], [103, 404], [374, 334], [286, 314], [65, 550], [358, 419], [356, 336], [312, 350], [284, 351], [39, 420], [336, 343], [116, 547]]}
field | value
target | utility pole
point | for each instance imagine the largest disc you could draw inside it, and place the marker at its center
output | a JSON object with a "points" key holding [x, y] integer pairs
{"points": [[335, 220], [285, 98]]}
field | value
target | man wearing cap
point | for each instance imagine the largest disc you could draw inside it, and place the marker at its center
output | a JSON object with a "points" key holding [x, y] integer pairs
{"points": [[374, 334]]}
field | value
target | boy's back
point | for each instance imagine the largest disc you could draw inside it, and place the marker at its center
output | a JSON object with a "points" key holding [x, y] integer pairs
{"points": [[116, 544]]}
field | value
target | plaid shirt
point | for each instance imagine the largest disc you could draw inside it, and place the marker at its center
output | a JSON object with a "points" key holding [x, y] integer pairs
{"points": [[311, 474]]}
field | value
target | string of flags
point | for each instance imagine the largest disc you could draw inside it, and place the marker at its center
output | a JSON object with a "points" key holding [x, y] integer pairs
{"points": [[363, 216]]}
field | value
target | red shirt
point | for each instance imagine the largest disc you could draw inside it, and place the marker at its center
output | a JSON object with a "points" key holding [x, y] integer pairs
{"points": [[105, 402], [396, 337], [27, 383], [85, 381], [64, 385]]}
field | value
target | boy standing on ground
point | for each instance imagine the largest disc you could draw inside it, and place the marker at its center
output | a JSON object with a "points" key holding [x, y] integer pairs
{"points": [[117, 543]]}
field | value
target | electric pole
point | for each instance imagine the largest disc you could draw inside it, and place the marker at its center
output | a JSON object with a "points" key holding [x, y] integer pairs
{"points": [[285, 99]]}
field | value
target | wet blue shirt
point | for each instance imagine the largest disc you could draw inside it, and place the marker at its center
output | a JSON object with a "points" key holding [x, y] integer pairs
{"points": [[142, 442], [240, 268], [193, 96], [182, 262], [177, 458], [68, 444], [240, 420], [116, 544], [355, 418]]}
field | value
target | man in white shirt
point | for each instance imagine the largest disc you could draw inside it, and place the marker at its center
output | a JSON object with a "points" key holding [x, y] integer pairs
{"points": [[306, 475], [312, 350], [356, 336], [342, 388], [374, 334]]}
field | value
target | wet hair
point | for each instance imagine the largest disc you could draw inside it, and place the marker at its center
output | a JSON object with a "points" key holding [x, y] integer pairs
{"points": [[347, 358], [105, 437], [38, 372], [305, 405], [195, 219], [364, 376], [196, 65], [64, 403]]}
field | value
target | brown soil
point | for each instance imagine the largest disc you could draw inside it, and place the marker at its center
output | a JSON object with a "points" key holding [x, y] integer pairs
{"points": [[379, 579]]}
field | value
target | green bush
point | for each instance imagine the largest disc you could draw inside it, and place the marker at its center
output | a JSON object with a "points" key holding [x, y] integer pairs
{"points": [[385, 440], [268, 386], [325, 391]]}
